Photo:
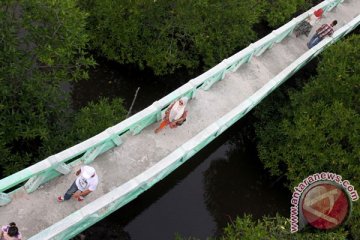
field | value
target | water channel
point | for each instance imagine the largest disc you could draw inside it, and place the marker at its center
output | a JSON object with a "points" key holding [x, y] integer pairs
{"points": [[222, 181]]}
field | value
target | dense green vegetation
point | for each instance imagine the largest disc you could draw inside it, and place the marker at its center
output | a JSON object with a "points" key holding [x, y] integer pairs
{"points": [[45, 44], [318, 128], [273, 229], [280, 11], [167, 35], [305, 129], [42, 49]]}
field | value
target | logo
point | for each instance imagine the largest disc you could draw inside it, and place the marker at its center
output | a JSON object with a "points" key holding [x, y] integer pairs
{"points": [[322, 201], [325, 206], [83, 182]]}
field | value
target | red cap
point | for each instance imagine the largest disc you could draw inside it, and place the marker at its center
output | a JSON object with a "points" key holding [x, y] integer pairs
{"points": [[318, 13]]}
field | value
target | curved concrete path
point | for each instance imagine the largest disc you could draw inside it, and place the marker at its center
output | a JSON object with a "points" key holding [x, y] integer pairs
{"points": [[36, 211]]}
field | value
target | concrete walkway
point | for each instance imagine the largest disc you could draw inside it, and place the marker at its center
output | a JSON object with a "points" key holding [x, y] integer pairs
{"points": [[39, 210]]}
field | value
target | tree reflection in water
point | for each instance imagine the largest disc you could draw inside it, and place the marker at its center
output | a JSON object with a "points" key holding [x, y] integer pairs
{"points": [[237, 184], [104, 230]]}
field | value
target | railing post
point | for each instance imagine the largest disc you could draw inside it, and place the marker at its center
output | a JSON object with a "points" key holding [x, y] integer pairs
{"points": [[211, 80], [251, 46], [34, 183], [4, 199], [282, 35], [148, 117], [59, 166], [158, 110], [91, 154], [115, 138], [332, 4], [56, 167], [192, 94], [220, 71]]}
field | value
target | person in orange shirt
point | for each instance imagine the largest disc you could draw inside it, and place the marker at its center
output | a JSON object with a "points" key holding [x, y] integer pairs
{"points": [[175, 115]]}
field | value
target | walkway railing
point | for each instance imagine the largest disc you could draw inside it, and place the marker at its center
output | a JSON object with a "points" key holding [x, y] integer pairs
{"points": [[88, 150], [110, 202]]}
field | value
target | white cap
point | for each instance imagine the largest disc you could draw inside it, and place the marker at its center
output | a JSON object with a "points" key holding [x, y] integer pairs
{"points": [[87, 172]]}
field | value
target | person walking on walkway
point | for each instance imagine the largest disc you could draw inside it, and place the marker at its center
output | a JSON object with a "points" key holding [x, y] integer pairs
{"points": [[305, 26], [175, 115], [85, 183], [10, 232], [321, 33]]}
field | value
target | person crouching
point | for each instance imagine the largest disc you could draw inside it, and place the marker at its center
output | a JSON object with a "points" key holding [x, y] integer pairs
{"points": [[175, 115]]}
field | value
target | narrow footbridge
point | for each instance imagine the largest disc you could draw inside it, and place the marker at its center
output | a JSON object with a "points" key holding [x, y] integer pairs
{"points": [[130, 158]]}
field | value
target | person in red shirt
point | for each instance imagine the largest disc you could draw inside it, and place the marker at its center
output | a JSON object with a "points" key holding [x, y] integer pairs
{"points": [[321, 33]]}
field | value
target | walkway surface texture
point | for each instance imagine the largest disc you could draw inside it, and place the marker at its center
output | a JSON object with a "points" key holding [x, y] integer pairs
{"points": [[36, 211]]}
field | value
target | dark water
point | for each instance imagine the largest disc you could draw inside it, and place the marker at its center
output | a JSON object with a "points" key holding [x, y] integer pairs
{"points": [[222, 181], [113, 80]]}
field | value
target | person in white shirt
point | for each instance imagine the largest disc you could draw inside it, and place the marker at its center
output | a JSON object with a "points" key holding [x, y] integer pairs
{"points": [[85, 183], [175, 115]]}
